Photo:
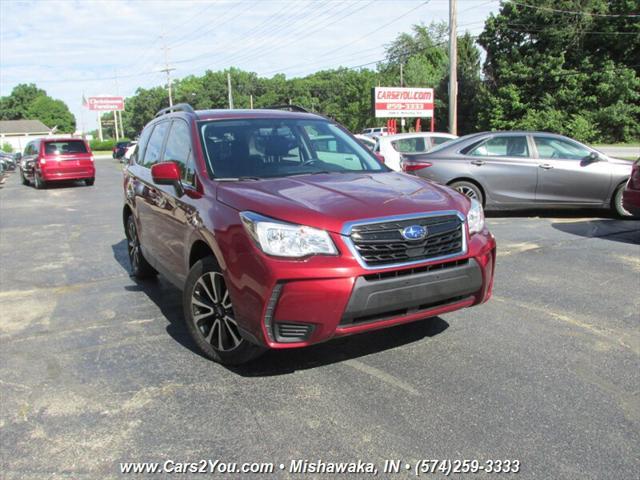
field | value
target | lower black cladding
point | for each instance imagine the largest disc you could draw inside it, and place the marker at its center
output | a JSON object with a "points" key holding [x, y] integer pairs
{"points": [[377, 298]]}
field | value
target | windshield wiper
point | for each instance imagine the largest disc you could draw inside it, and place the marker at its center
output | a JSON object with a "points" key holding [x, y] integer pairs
{"points": [[236, 179]]}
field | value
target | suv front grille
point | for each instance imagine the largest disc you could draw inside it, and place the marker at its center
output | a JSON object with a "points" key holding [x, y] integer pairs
{"points": [[382, 243]]}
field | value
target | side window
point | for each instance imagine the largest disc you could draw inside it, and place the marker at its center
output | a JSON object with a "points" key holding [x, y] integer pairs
{"points": [[142, 145], [409, 145], [511, 146], [27, 150], [178, 147], [551, 147], [154, 147], [439, 140], [332, 149]]}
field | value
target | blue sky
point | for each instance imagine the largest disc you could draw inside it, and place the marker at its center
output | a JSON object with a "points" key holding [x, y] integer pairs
{"points": [[70, 47]]}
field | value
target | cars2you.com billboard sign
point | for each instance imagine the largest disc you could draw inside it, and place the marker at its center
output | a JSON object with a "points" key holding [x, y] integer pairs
{"points": [[397, 102]]}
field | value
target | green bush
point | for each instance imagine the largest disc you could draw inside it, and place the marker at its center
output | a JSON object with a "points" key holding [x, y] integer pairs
{"points": [[105, 144], [7, 147]]}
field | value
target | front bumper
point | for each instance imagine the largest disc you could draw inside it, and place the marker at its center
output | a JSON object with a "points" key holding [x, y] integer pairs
{"points": [[288, 304]]}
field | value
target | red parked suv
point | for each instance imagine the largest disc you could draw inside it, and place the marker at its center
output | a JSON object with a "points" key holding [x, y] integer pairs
{"points": [[48, 160], [631, 193], [283, 231]]}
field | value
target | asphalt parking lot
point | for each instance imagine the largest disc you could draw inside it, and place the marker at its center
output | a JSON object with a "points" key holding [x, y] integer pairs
{"points": [[96, 369]]}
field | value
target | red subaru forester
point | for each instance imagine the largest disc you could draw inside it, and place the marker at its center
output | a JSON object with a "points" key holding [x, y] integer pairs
{"points": [[282, 231]]}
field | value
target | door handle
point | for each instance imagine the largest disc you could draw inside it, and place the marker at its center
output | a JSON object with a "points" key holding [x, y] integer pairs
{"points": [[546, 166], [477, 162]]}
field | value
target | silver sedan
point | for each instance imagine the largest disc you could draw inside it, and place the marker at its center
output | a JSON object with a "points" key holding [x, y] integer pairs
{"points": [[518, 170]]}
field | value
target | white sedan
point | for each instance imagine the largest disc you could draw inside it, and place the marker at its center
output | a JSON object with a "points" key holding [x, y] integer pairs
{"points": [[369, 142], [391, 146]]}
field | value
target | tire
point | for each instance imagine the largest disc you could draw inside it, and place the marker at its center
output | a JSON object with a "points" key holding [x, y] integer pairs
{"points": [[616, 204], [209, 317], [89, 181], [468, 189], [39, 183], [140, 268], [23, 179]]}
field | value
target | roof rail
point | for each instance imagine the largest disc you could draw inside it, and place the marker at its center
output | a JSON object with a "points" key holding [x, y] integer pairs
{"points": [[179, 107], [293, 108]]}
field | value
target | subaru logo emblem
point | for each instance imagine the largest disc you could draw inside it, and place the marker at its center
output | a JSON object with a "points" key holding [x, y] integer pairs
{"points": [[414, 232]]}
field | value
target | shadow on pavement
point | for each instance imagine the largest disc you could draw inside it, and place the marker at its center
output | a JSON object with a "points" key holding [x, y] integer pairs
{"points": [[624, 231], [280, 362]]}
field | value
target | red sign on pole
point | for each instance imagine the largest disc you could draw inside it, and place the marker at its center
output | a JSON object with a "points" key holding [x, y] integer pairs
{"points": [[398, 102], [105, 104]]}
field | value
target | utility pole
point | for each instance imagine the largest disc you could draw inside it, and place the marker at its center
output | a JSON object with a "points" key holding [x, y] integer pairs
{"points": [[251, 101], [115, 123], [453, 69], [167, 69], [117, 113], [402, 122], [230, 92], [100, 128]]}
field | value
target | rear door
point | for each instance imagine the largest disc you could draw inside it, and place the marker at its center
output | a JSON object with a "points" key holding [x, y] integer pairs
{"points": [[68, 157], [148, 198], [567, 174], [503, 164], [177, 213]]}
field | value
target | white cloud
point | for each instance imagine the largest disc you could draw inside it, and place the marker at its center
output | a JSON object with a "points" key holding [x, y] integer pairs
{"points": [[74, 47]]}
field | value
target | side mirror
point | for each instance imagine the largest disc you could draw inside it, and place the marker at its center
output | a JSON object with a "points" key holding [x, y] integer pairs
{"points": [[593, 157], [167, 173]]}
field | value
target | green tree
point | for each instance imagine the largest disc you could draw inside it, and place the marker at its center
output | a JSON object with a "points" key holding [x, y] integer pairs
{"points": [[7, 147], [570, 73], [15, 106], [53, 113], [32, 103]]}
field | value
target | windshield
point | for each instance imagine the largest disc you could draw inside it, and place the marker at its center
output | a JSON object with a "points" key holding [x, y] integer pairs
{"points": [[268, 148], [65, 147]]}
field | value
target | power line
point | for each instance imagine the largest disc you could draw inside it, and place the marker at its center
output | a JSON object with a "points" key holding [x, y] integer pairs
{"points": [[327, 54], [527, 28], [570, 12], [276, 27], [298, 28]]}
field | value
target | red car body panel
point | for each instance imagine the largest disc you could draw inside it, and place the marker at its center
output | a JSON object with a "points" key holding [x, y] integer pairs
{"points": [[64, 166], [315, 290], [631, 194]]}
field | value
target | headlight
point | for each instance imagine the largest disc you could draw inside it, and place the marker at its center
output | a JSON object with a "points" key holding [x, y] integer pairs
{"points": [[475, 217], [286, 240]]}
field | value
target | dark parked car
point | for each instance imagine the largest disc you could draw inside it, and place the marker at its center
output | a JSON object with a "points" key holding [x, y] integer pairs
{"points": [[514, 170], [283, 231], [48, 160], [119, 149], [631, 194]]}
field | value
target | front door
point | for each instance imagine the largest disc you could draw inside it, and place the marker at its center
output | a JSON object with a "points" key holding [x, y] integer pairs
{"points": [[567, 174]]}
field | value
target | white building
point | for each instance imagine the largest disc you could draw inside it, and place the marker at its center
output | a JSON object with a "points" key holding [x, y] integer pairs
{"points": [[20, 132]]}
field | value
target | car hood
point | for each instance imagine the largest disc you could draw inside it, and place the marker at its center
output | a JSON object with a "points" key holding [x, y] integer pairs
{"points": [[327, 201]]}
